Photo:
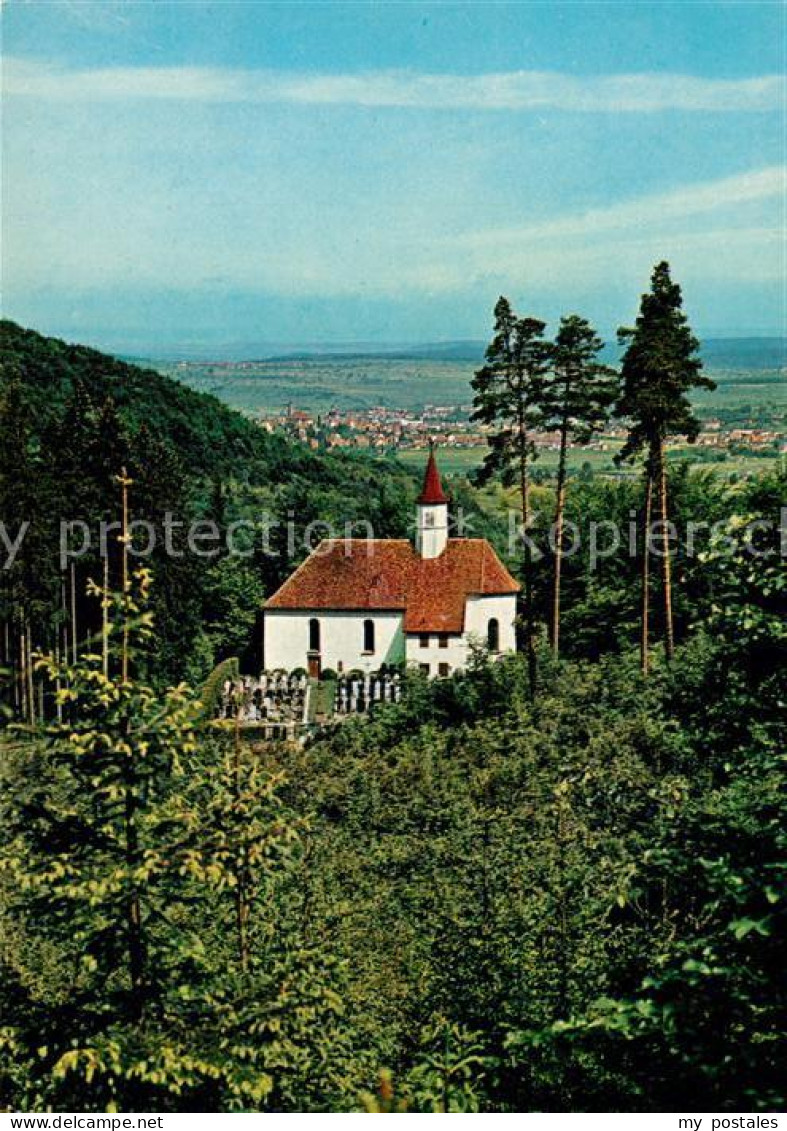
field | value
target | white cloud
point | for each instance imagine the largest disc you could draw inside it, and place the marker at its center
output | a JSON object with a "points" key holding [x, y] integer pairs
{"points": [[643, 212], [107, 16], [515, 90]]}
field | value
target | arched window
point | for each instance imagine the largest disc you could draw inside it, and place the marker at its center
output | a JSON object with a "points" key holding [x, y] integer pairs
{"points": [[368, 636], [314, 635], [493, 635]]}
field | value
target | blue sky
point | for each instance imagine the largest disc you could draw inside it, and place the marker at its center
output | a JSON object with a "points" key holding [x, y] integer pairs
{"points": [[211, 173]]}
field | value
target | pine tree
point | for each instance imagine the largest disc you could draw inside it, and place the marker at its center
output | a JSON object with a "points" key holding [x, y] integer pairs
{"points": [[660, 367], [509, 396], [577, 402], [85, 449], [28, 506]]}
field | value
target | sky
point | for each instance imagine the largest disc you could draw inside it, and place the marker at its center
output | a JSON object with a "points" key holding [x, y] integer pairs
{"points": [[198, 174]]}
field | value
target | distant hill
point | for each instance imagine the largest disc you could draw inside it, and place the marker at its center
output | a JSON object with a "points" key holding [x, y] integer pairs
{"points": [[745, 353], [72, 417], [718, 353], [210, 438]]}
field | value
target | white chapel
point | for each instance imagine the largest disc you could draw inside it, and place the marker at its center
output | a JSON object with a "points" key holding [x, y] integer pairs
{"points": [[358, 603]]}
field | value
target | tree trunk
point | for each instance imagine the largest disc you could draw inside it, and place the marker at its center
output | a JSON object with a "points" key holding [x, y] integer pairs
{"points": [[105, 617], [242, 905], [73, 614], [124, 576], [136, 948], [645, 626], [563, 1009], [666, 556], [62, 639], [136, 941], [560, 503], [22, 650]]}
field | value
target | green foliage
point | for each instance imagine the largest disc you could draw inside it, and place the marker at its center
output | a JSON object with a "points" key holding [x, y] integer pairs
{"points": [[470, 900], [71, 418], [509, 392], [660, 367], [572, 903], [154, 960]]}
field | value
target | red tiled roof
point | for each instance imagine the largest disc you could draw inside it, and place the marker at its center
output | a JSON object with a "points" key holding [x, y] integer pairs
{"points": [[432, 490], [382, 574]]}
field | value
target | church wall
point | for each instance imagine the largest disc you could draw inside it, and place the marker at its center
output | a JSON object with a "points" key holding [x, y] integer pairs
{"points": [[286, 639], [454, 654], [478, 611]]}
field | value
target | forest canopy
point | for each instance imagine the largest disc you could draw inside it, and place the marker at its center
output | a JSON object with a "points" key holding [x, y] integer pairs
{"points": [[554, 882]]}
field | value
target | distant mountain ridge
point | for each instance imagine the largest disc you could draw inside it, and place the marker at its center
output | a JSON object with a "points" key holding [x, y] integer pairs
{"points": [[717, 353]]}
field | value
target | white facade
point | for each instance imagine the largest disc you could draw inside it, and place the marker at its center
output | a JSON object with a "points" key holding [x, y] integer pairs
{"points": [[454, 650], [299, 635], [342, 638], [431, 530]]}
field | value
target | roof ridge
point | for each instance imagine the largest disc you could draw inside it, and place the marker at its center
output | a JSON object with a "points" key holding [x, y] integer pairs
{"points": [[361, 573], [342, 539]]}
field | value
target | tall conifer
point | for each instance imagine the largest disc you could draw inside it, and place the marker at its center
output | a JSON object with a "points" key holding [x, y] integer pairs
{"points": [[577, 402], [509, 396], [660, 367]]}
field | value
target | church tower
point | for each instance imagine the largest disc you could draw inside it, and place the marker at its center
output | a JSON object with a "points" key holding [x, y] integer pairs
{"points": [[431, 513]]}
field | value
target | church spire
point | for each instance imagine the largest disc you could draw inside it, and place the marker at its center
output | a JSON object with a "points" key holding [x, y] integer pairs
{"points": [[431, 535], [432, 491]]}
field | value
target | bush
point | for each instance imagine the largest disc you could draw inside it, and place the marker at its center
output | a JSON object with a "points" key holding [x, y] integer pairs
{"points": [[212, 688]]}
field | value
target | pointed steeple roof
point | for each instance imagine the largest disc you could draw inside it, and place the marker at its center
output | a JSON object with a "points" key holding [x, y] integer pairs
{"points": [[432, 491]]}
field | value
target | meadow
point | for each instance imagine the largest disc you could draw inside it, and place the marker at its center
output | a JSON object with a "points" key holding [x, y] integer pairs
{"points": [[744, 396], [320, 383], [754, 396], [541, 884], [463, 461]]}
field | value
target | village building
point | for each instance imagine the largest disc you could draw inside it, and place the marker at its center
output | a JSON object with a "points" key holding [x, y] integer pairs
{"points": [[356, 604]]}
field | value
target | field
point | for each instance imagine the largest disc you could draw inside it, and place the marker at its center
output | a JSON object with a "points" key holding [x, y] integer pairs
{"points": [[744, 397], [754, 396], [462, 461], [317, 384]]}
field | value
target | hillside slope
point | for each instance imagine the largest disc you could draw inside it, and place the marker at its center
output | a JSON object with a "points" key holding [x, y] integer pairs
{"points": [[210, 437], [71, 418]]}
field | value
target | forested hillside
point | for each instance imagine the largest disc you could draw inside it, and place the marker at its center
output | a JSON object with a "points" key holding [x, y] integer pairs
{"points": [[71, 418], [553, 882], [473, 901]]}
